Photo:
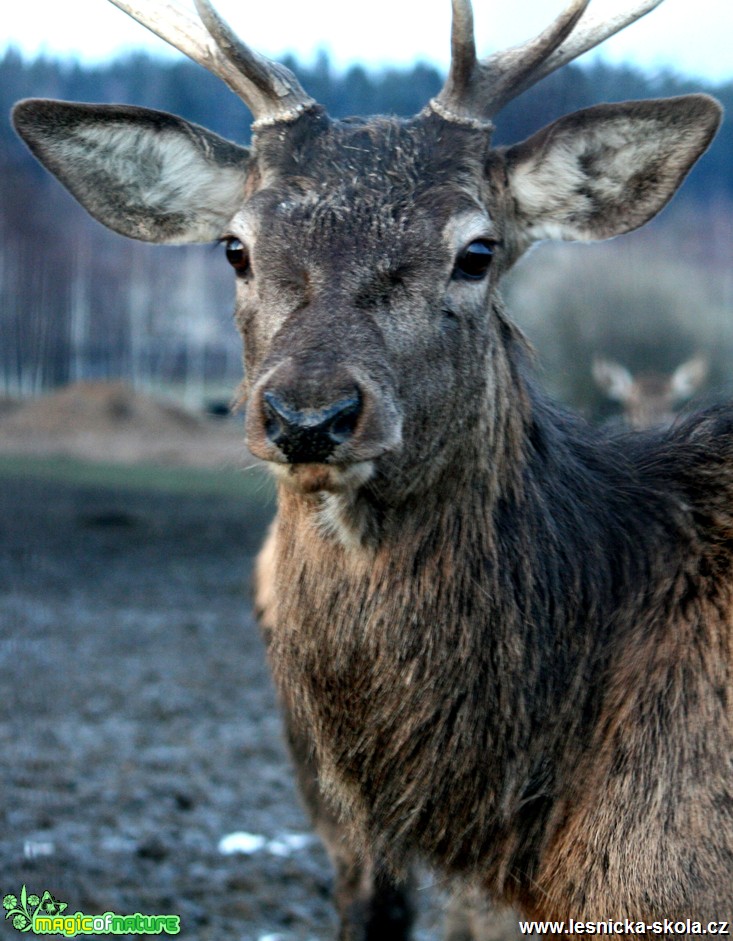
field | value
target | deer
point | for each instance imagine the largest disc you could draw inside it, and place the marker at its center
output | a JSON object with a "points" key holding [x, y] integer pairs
{"points": [[502, 638], [649, 398]]}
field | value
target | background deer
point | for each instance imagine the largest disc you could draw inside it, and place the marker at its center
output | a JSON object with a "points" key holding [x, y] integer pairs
{"points": [[649, 399], [503, 642]]}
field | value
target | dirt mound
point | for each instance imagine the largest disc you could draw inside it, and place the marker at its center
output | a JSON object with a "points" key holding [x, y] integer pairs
{"points": [[110, 421], [8, 405], [101, 407]]}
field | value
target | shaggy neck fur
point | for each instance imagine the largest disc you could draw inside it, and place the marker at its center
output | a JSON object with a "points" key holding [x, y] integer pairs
{"points": [[465, 699]]}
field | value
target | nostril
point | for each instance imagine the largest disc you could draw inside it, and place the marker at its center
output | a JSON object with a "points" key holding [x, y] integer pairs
{"points": [[340, 427], [275, 406], [275, 417]]}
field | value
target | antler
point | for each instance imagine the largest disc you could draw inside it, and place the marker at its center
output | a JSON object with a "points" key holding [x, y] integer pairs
{"points": [[270, 91], [475, 91]]}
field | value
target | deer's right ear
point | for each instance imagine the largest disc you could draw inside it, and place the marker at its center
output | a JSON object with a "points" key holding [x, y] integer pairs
{"points": [[613, 379], [146, 174], [608, 169]]}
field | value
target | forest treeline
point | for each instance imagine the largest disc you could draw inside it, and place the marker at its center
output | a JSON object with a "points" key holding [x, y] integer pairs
{"points": [[186, 89], [77, 301]]}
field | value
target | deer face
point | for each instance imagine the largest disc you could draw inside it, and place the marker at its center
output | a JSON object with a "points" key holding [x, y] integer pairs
{"points": [[367, 253], [364, 275]]}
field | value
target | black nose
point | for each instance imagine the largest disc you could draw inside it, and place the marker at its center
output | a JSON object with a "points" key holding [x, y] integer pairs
{"points": [[310, 435]]}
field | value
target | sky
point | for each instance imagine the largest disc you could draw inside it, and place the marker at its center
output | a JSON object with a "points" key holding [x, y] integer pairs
{"points": [[694, 38]]}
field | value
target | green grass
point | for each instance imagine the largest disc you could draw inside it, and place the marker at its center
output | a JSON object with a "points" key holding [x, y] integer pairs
{"points": [[253, 482]]}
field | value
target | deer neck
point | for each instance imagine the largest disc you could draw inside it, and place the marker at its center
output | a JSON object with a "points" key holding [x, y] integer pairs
{"points": [[365, 629]]}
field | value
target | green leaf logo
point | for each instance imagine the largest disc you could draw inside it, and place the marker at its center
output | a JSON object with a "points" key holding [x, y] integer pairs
{"points": [[21, 910], [51, 905]]}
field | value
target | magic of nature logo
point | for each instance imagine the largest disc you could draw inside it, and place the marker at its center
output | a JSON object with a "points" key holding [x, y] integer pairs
{"points": [[45, 914]]}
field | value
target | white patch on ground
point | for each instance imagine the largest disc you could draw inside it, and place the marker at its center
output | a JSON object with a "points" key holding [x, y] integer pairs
{"points": [[247, 844]]}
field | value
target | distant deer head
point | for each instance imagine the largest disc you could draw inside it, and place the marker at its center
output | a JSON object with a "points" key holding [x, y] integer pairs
{"points": [[649, 399]]}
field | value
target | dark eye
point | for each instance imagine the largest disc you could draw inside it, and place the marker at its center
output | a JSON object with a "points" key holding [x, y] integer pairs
{"points": [[237, 256], [474, 261]]}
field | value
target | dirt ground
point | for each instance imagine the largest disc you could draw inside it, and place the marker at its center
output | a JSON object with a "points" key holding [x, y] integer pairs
{"points": [[138, 725]]}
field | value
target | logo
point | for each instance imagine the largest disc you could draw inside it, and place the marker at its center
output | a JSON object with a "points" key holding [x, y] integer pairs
{"points": [[45, 914], [23, 910]]}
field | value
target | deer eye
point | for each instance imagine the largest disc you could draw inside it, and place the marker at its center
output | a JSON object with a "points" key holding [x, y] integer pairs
{"points": [[474, 261], [237, 256]]}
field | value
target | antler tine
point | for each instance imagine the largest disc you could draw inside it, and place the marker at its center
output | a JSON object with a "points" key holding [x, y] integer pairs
{"points": [[283, 96], [174, 24], [506, 71], [463, 46], [472, 94], [270, 91], [592, 33], [475, 91]]}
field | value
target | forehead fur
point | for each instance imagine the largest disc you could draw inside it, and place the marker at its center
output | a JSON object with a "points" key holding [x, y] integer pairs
{"points": [[380, 187], [377, 158]]}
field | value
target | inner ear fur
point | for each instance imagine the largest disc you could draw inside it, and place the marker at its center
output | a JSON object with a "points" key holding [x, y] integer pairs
{"points": [[608, 169], [146, 174]]}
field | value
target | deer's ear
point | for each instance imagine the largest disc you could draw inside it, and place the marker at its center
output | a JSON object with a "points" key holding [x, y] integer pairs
{"points": [[606, 170], [688, 377], [145, 174], [613, 379]]}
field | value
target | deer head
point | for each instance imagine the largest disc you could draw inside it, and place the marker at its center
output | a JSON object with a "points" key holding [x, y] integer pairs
{"points": [[367, 253], [649, 399]]}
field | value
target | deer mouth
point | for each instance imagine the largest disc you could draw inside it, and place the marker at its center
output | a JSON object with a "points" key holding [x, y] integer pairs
{"points": [[311, 479]]}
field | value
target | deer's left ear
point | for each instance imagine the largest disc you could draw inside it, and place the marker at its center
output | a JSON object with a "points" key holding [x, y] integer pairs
{"points": [[609, 169], [143, 173]]}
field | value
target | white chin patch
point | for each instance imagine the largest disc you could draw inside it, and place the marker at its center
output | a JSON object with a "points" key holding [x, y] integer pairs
{"points": [[335, 489], [323, 478], [338, 518]]}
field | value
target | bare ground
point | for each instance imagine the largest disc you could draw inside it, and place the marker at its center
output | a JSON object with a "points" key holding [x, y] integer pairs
{"points": [[138, 725], [137, 722]]}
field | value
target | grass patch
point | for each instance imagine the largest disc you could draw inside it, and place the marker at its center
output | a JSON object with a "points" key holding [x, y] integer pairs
{"points": [[252, 482]]}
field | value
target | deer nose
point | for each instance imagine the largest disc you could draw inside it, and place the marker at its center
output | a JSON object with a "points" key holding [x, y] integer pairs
{"points": [[310, 435]]}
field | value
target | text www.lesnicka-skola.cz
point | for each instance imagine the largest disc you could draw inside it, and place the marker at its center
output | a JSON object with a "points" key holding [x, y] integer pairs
{"points": [[667, 926]]}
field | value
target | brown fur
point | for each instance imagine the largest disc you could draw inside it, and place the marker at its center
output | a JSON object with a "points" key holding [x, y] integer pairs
{"points": [[502, 639]]}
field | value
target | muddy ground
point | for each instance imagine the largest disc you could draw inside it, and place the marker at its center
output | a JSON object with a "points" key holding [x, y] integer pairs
{"points": [[138, 725]]}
